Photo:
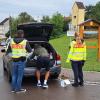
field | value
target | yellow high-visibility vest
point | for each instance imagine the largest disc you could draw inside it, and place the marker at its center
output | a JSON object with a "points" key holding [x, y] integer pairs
{"points": [[77, 52], [18, 50]]}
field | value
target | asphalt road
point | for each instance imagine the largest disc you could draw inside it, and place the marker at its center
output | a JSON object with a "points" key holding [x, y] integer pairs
{"points": [[54, 92]]}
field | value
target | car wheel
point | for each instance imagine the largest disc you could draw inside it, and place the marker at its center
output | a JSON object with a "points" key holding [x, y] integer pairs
{"points": [[9, 76], [4, 66]]}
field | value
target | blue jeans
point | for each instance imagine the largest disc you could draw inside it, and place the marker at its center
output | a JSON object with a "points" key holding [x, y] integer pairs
{"points": [[17, 75]]}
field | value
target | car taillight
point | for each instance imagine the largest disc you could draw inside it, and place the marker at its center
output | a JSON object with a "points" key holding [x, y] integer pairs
{"points": [[58, 57], [58, 60]]}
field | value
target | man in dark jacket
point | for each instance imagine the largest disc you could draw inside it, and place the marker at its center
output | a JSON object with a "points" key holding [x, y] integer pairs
{"points": [[18, 48]]}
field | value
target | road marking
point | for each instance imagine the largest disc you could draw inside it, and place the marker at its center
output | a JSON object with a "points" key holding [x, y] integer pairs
{"points": [[88, 82], [92, 83]]}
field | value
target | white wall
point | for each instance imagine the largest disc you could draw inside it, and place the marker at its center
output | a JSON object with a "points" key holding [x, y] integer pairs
{"points": [[1, 29], [4, 28]]}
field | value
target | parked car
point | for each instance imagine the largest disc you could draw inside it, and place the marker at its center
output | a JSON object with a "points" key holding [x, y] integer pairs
{"points": [[3, 43], [37, 33]]}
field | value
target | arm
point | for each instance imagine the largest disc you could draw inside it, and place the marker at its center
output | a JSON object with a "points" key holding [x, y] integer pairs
{"points": [[84, 51], [9, 50], [28, 47], [70, 54]]}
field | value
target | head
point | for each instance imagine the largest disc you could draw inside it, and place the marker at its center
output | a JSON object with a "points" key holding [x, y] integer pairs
{"points": [[78, 39], [36, 46], [19, 34], [76, 34]]}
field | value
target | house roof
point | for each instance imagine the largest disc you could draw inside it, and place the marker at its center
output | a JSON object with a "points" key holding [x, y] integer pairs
{"points": [[67, 18], [89, 20], [80, 5], [1, 23]]}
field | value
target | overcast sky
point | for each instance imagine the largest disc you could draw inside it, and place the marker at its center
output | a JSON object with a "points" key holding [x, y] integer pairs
{"points": [[38, 8]]}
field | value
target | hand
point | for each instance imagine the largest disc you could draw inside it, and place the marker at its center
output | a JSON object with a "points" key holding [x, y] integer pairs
{"points": [[29, 55], [83, 61], [32, 50], [35, 57]]}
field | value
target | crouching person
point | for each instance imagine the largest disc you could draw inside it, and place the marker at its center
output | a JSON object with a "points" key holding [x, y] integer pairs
{"points": [[42, 59]]}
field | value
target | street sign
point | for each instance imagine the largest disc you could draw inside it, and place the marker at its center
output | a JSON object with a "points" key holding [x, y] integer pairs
{"points": [[2, 36], [70, 33], [91, 32]]}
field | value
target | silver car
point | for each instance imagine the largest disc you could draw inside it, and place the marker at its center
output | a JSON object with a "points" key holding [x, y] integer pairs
{"points": [[36, 33]]}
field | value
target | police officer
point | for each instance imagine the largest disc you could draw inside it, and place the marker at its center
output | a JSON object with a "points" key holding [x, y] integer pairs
{"points": [[77, 56], [18, 47]]}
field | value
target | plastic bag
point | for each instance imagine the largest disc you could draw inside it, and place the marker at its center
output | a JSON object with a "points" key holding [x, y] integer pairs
{"points": [[64, 82]]}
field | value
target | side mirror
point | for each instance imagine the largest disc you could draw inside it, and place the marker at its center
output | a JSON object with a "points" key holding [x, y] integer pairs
{"points": [[3, 50]]}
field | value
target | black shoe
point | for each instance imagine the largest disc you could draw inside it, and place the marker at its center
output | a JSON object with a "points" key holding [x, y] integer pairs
{"points": [[81, 83], [75, 84], [21, 91]]}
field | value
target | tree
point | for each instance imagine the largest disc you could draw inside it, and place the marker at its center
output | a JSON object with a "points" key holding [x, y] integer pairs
{"points": [[13, 25], [25, 17], [96, 11], [67, 20], [58, 21], [93, 12], [45, 19], [89, 12], [22, 18]]}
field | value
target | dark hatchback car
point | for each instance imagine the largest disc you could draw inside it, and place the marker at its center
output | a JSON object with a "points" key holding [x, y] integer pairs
{"points": [[36, 33]]}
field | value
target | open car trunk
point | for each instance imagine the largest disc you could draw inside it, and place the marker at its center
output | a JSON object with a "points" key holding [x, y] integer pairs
{"points": [[36, 31]]}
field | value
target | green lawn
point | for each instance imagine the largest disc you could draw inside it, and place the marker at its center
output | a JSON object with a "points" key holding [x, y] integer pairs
{"points": [[61, 45]]}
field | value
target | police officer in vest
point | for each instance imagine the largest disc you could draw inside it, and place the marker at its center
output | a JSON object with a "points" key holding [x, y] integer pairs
{"points": [[77, 57], [18, 47]]}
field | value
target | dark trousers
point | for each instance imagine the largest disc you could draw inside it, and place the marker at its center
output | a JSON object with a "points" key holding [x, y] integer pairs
{"points": [[43, 62], [77, 70]]}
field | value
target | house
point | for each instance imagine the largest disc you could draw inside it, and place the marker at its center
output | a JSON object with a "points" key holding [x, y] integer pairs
{"points": [[4, 27], [78, 14]]}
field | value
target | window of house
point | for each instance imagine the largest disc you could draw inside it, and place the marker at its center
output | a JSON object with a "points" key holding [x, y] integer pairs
{"points": [[74, 16]]}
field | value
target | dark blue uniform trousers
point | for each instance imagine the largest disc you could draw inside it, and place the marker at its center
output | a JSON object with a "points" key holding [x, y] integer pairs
{"points": [[77, 70]]}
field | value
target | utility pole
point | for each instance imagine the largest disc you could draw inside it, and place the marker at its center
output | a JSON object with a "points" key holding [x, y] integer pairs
{"points": [[10, 25]]}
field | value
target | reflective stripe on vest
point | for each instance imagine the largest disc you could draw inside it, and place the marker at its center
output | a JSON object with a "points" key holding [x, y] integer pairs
{"points": [[77, 52], [18, 50]]}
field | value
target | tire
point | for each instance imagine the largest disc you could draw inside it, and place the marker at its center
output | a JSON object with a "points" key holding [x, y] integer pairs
{"points": [[4, 66], [9, 72], [9, 76]]}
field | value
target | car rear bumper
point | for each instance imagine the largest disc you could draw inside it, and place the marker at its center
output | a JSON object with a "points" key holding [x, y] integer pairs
{"points": [[30, 71]]}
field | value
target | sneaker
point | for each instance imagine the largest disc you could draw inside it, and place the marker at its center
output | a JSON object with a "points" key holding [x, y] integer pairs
{"points": [[39, 85], [75, 85], [13, 91], [21, 90], [45, 86]]}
